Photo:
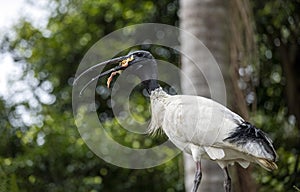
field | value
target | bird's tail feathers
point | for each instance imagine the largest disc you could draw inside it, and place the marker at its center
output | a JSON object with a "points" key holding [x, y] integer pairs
{"points": [[267, 164]]}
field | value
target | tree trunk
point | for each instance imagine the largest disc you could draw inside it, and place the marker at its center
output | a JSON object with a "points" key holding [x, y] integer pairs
{"points": [[290, 63], [209, 21]]}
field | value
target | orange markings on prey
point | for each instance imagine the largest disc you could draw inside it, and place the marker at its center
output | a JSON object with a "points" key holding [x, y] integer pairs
{"points": [[123, 63]]}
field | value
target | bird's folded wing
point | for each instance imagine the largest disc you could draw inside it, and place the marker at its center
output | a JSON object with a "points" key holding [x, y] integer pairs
{"points": [[214, 153]]}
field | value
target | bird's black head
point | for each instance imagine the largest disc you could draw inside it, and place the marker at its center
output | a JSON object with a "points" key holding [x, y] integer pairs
{"points": [[140, 56], [140, 63]]}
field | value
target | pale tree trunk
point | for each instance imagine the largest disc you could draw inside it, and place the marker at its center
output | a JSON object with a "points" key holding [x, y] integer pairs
{"points": [[210, 21]]}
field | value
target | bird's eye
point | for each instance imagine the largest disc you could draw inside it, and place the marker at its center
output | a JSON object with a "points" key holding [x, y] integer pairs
{"points": [[140, 54]]}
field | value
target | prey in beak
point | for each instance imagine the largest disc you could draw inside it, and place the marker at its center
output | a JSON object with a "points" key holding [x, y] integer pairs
{"points": [[123, 64]]}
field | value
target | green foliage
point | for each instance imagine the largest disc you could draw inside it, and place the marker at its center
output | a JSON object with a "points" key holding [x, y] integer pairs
{"points": [[278, 32], [47, 153]]}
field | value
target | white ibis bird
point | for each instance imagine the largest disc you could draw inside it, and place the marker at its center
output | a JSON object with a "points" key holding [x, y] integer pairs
{"points": [[197, 125]]}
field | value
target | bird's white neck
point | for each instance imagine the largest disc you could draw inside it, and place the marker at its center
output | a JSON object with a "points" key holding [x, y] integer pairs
{"points": [[158, 98], [158, 93]]}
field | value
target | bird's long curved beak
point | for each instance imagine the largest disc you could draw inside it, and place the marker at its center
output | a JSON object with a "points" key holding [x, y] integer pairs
{"points": [[122, 61], [95, 67]]}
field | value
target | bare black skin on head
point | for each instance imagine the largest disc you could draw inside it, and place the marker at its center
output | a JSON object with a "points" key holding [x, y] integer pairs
{"points": [[145, 67]]}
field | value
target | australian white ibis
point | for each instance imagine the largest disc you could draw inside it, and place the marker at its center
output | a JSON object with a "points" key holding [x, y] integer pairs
{"points": [[197, 125]]}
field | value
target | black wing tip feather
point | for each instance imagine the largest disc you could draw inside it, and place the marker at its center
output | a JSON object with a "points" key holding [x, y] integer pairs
{"points": [[246, 132]]}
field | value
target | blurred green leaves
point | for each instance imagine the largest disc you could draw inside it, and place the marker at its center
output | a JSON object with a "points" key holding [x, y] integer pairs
{"points": [[278, 31], [50, 155]]}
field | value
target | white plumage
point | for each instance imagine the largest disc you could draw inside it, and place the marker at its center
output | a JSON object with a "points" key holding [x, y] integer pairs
{"points": [[199, 126]]}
